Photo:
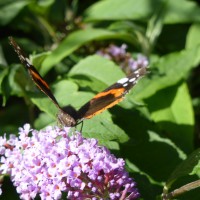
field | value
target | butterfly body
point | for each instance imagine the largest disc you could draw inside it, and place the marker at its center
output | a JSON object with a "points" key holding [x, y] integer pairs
{"points": [[66, 119], [100, 102]]}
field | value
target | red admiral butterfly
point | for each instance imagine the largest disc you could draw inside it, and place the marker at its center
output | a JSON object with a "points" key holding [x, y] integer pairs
{"points": [[100, 102]]}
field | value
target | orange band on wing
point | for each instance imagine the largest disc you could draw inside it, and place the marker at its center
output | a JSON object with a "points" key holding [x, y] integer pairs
{"points": [[105, 108], [101, 102], [36, 77], [115, 92]]}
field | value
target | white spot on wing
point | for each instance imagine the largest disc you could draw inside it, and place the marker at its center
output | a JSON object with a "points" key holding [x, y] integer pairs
{"points": [[132, 80], [122, 81], [27, 60], [136, 72]]}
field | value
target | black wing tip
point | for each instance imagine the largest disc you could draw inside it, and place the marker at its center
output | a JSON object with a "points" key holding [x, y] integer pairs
{"points": [[142, 71], [11, 41], [14, 44], [10, 38]]}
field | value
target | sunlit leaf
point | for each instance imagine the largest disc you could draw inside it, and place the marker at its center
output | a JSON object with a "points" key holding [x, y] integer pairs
{"points": [[76, 40], [120, 10], [193, 36]]}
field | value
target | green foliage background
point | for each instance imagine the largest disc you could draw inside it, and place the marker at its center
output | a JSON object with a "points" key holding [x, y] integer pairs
{"points": [[156, 128]]}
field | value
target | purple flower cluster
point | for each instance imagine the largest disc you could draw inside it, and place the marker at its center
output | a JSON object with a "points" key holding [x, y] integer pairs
{"points": [[123, 58], [51, 163]]}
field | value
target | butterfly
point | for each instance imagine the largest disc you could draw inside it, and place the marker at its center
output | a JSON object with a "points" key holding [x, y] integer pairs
{"points": [[100, 102]]}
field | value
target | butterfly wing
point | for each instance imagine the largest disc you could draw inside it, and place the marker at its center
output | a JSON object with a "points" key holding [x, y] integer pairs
{"points": [[37, 79], [63, 117], [110, 96]]}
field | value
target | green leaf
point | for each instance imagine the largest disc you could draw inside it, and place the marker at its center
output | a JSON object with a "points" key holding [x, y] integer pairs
{"points": [[102, 128], [41, 5], [3, 74], [76, 40], [2, 57], [187, 12], [38, 59], [17, 79], [45, 120], [12, 82], [193, 36], [179, 103], [99, 68], [140, 40], [9, 10], [173, 112], [190, 166], [120, 10], [142, 10]]}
